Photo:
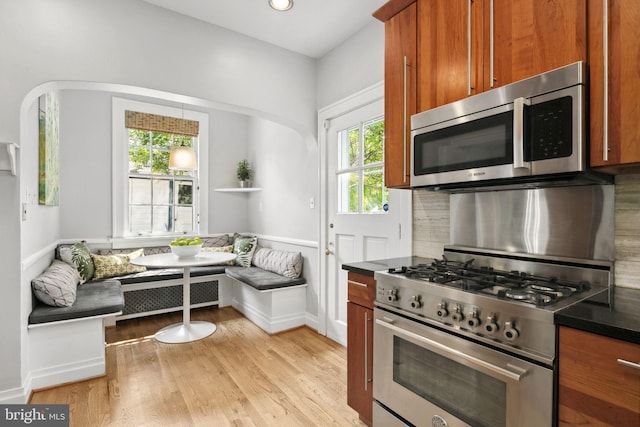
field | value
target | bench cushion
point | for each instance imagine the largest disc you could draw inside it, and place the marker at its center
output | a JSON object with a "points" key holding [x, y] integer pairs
{"points": [[261, 279], [157, 274], [92, 299]]}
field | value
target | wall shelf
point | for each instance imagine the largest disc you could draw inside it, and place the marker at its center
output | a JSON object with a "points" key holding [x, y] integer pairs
{"points": [[237, 190], [8, 157]]}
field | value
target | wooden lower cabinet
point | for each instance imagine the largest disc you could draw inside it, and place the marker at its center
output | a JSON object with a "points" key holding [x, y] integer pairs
{"points": [[360, 360], [361, 293], [595, 387]]}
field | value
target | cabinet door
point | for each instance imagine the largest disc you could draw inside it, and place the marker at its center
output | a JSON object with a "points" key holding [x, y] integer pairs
{"points": [[594, 387], [360, 360], [528, 37], [614, 31], [449, 51], [400, 95]]}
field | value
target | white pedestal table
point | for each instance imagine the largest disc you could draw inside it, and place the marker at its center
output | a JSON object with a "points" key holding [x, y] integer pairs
{"points": [[187, 330]]}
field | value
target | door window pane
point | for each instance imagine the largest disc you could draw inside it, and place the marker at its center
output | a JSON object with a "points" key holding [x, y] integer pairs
{"points": [[374, 192], [374, 142], [348, 186], [348, 151], [360, 174]]}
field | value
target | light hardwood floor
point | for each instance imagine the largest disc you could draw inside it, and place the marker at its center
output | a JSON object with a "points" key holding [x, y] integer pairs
{"points": [[239, 376]]}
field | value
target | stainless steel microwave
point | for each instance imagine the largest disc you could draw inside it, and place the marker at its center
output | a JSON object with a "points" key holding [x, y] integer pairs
{"points": [[525, 132]]}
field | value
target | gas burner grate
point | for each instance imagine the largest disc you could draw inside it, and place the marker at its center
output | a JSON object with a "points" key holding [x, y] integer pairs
{"points": [[509, 285]]}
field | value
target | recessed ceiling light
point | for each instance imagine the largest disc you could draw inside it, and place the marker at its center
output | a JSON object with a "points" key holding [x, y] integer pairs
{"points": [[281, 4]]}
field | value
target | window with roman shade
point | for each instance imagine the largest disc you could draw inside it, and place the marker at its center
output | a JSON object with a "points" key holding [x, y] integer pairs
{"points": [[160, 200]]}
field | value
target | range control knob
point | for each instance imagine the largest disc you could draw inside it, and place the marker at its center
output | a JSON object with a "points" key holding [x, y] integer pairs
{"points": [[510, 331], [392, 295], [442, 310], [416, 302], [457, 315], [491, 325], [474, 319]]}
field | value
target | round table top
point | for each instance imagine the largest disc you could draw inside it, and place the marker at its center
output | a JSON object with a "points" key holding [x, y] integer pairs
{"points": [[170, 260]]}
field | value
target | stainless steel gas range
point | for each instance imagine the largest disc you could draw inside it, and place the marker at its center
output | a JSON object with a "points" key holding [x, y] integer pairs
{"points": [[469, 339]]}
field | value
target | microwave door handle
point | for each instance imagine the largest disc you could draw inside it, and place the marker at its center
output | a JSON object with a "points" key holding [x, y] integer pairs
{"points": [[518, 133]]}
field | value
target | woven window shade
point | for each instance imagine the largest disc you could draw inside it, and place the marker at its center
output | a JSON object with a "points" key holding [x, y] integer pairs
{"points": [[157, 123]]}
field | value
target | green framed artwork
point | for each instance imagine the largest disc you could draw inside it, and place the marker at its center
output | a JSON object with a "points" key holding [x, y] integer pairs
{"points": [[48, 149]]}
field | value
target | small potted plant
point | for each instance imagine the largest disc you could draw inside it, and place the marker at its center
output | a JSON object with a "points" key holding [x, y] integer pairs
{"points": [[244, 173]]}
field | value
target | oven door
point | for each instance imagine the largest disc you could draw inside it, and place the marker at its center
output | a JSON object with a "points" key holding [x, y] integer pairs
{"points": [[429, 377]]}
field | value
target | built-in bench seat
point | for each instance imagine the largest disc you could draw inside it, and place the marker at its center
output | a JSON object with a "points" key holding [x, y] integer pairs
{"points": [[67, 343], [98, 299], [262, 280]]}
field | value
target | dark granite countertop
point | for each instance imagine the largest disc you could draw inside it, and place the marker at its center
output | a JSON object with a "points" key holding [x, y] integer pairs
{"points": [[369, 267], [614, 313]]}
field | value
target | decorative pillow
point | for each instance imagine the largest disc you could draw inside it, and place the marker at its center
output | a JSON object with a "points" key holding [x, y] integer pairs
{"points": [[228, 248], [216, 241], [288, 264], [244, 247], [117, 264], [57, 285], [78, 255]]}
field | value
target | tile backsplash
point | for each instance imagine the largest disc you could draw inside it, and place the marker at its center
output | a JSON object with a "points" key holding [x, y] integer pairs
{"points": [[431, 227]]}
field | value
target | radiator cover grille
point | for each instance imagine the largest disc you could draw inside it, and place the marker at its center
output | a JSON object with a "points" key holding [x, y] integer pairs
{"points": [[144, 300]]}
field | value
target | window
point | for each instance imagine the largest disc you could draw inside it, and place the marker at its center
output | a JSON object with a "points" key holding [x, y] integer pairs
{"points": [[360, 174], [160, 200], [149, 199]]}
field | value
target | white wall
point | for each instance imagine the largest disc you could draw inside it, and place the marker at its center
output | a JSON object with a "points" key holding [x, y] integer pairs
{"points": [[355, 65]]}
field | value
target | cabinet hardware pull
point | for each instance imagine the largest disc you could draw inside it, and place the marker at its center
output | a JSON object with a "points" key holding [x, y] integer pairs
{"points": [[605, 76], [366, 351], [469, 47], [628, 364], [404, 120], [491, 46], [351, 282], [518, 132]]}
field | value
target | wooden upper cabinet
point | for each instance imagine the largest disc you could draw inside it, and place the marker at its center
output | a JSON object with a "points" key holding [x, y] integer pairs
{"points": [[531, 37], [467, 47], [614, 32], [400, 68], [449, 51]]}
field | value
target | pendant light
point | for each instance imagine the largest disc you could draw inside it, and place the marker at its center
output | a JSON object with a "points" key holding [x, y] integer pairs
{"points": [[281, 5], [182, 158]]}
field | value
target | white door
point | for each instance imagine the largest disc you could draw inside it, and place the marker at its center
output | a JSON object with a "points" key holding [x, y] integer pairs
{"points": [[364, 220]]}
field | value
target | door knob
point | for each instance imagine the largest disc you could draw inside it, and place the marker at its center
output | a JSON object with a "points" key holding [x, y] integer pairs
{"points": [[328, 251]]}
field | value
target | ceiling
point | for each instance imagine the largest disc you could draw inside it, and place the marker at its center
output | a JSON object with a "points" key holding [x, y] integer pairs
{"points": [[311, 27]]}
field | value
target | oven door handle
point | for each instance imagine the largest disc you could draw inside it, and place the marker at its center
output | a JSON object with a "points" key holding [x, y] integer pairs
{"points": [[446, 351]]}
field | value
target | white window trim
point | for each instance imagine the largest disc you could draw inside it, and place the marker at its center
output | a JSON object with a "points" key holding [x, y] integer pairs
{"points": [[120, 162]]}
